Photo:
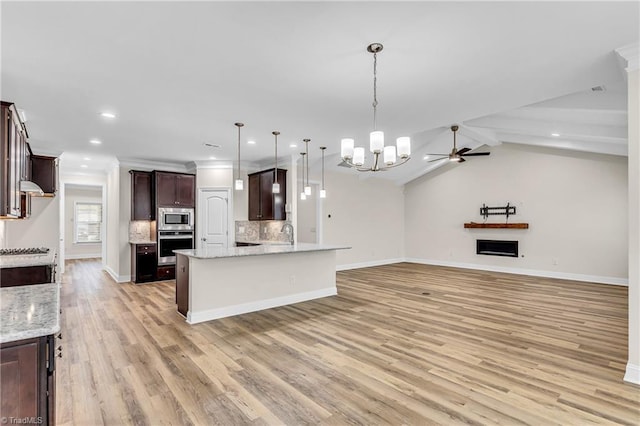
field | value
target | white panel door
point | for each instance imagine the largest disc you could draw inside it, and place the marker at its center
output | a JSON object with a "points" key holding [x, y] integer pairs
{"points": [[213, 218]]}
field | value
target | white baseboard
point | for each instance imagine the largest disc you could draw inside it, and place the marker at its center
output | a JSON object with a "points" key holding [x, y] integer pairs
{"points": [[117, 278], [530, 272], [359, 265], [632, 374], [212, 314], [82, 256]]}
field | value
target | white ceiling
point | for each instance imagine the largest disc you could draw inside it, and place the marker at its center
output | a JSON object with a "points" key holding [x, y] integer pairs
{"points": [[179, 74]]}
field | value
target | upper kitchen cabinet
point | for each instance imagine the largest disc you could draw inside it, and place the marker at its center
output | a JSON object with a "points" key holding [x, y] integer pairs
{"points": [[12, 156], [175, 189], [263, 203], [44, 173], [141, 196]]}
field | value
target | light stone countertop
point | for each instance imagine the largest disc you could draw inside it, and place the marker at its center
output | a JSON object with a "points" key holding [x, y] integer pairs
{"points": [[23, 260], [29, 311], [266, 249]]}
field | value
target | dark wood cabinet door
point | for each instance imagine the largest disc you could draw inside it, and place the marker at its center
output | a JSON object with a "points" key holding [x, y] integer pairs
{"points": [[263, 203], [44, 173], [254, 197], [141, 203], [20, 380], [266, 195], [182, 284], [280, 200], [165, 189], [144, 263], [26, 275], [186, 190]]}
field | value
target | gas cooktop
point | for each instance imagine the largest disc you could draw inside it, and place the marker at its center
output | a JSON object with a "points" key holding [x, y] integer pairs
{"points": [[23, 251]]}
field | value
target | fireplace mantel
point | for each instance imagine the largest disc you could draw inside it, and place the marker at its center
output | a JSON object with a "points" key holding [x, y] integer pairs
{"points": [[497, 225]]}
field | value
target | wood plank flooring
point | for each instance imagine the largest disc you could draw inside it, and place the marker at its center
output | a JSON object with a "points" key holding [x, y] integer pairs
{"points": [[400, 344]]}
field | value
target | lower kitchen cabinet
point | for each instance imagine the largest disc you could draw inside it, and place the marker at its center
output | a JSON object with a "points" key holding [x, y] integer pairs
{"points": [[166, 272], [26, 275], [27, 379], [182, 284], [144, 263]]}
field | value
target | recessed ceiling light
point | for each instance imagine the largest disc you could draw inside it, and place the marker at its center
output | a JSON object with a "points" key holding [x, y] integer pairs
{"points": [[87, 159], [555, 135], [84, 166], [293, 145], [95, 141], [251, 142], [107, 114], [426, 157], [212, 158]]}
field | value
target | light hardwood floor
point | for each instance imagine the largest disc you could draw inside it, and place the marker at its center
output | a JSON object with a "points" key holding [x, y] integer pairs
{"points": [[400, 344]]}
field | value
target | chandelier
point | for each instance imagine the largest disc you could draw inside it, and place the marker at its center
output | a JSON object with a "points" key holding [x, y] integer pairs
{"points": [[354, 156]]}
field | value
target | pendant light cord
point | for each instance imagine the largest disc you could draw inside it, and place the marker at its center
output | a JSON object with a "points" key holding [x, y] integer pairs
{"points": [[375, 89]]}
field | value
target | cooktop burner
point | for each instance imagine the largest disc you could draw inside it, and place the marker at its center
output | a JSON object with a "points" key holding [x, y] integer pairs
{"points": [[18, 251]]}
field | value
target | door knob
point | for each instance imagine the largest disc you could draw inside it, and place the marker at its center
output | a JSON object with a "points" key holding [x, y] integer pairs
{"points": [[204, 239]]}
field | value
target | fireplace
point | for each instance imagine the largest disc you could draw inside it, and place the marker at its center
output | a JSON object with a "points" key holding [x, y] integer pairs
{"points": [[497, 248]]}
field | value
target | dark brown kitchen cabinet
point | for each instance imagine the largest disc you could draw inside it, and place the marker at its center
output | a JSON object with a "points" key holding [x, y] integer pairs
{"points": [[44, 173], [175, 189], [144, 263], [27, 275], [13, 137], [141, 196], [167, 272], [263, 203], [182, 284], [27, 378]]}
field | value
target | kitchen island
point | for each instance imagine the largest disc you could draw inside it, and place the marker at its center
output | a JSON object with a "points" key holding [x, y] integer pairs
{"points": [[221, 282]]}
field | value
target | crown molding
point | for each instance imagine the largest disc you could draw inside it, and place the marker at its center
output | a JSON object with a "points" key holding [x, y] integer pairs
{"points": [[630, 53], [153, 165]]}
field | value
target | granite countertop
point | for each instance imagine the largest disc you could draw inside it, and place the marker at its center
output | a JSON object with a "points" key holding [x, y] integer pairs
{"points": [[29, 311], [142, 242], [219, 252], [272, 242], [19, 261]]}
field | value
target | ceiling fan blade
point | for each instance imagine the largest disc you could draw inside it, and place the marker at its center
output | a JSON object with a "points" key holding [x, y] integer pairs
{"points": [[461, 160], [463, 150], [437, 159], [475, 154], [440, 154]]}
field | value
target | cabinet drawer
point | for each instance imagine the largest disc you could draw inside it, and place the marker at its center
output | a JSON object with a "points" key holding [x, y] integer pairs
{"points": [[28, 275], [146, 248], [166, 272]]}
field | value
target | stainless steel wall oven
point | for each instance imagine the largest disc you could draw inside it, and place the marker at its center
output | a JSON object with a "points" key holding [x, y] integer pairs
{"points": [[172, 240]]}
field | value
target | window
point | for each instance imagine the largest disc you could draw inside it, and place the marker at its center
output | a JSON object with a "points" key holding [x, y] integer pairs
{"points": [[88, 223]]}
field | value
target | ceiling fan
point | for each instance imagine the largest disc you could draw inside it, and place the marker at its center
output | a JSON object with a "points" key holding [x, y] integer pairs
{"points": [[457, 155]]}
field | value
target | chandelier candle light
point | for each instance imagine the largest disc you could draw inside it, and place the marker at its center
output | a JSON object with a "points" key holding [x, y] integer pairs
{"points": [[239, 182], [354, 156], [276, 186], [307, 187]]}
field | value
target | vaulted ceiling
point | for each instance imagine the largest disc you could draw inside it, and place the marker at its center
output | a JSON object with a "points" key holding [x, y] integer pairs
{"points": [[179, 74]]}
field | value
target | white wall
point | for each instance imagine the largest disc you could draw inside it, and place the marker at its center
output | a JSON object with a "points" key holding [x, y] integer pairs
{"points": [[307, 215], [75, 195], [366, 214], [39, 230], [575, 204], [114, 243]]}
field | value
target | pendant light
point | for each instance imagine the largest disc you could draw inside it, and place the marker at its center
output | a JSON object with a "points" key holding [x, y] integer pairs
{"points": [[239, 185], [276, 186], [303, 195], [323, 192], [307, 187]]}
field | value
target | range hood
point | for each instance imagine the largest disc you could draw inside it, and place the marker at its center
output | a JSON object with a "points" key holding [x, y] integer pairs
{"points": [[30, 188]]}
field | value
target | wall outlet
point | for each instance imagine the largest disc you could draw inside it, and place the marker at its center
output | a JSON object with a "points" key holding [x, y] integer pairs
{"points": [[292, 280], [241, 229]]}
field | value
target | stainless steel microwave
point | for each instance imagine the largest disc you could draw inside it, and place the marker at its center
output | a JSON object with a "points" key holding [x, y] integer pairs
{"points": [[175, 219]]}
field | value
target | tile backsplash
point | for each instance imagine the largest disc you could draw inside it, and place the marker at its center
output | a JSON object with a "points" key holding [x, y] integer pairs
{"points": [[263, 230], [139, 230]]}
